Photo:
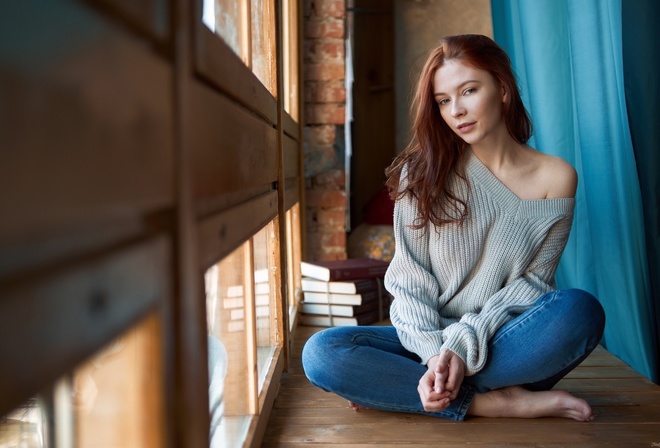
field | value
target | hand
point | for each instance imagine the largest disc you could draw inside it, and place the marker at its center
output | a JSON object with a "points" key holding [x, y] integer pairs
{"points": [[449, 372], [432, 401]]}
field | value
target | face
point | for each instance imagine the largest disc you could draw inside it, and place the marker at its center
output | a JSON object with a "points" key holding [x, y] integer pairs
{"points": [[470, 101]]}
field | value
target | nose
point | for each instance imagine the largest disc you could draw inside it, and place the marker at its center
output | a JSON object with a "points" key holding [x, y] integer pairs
{"points": [[457, 109]]}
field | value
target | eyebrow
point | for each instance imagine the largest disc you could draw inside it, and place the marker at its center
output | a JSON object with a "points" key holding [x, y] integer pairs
{"points": [[458, 87]]}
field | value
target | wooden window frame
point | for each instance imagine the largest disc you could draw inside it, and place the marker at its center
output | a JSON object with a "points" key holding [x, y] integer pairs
{"points": [[215, 158], [231, 214]]}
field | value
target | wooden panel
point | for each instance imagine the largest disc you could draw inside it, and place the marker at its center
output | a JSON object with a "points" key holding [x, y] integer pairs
{"points": [[223, 232], [291, 158], [149, 16], [291, 193], [290, 126], [230, 149], [219, 65], [86, 126], [92, 304]]}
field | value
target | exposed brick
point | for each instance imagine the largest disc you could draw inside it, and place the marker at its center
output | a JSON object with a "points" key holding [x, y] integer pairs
{"points": [[309, 91], [334, 239], [325, 98], [325, 71], [325, 113], [324, 50], [319, 252], [334, 217], [334, 178], [324, 8], [319, 159], [325, 92], [330, 8], [320, 247], [320, 135], [315, 29], [311, 219], [329, 92], [334, 253], [325, 198]]}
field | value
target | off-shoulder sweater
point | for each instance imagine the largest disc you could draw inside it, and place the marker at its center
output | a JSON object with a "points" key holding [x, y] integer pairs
{"points": [[456, 285]]}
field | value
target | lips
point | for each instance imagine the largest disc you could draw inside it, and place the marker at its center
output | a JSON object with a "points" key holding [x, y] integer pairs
{"points": [[465, 127]]}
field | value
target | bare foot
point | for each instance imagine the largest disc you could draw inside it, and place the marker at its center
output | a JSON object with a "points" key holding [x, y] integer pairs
{"points": [[522, 403], [356, 407]]}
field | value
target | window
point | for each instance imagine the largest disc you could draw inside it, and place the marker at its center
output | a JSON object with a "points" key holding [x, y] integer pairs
{"points": [[249, 298], [114, 399], [149, 268], [243, 336], [293, 262]]}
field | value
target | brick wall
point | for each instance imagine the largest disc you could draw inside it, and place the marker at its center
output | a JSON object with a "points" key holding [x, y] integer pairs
{"points": [[325, 103]]}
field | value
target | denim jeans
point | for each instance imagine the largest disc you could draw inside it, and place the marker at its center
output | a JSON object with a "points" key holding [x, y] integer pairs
{"points": [[370, 367]]}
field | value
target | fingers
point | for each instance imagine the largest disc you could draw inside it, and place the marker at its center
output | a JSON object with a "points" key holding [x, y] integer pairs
{"points": [[431, 400], [442, 372], [452, 372], [459, 374], [439, 383], [442, 381]]}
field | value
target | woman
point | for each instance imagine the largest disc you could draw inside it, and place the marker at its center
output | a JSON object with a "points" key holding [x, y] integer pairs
{"points": [[481, 220]]}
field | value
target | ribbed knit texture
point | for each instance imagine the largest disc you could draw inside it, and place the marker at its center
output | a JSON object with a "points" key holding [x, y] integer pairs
{"points": [[454, 288]]}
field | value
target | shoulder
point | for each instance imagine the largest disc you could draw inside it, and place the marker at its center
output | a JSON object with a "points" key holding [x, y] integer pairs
{"points": [[558, 176]]}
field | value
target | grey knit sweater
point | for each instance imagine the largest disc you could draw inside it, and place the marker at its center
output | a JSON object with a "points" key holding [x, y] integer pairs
{"points": [[455, 286]]}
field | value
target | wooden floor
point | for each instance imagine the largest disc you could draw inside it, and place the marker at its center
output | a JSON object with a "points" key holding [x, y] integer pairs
{"points": [[627, 408]]}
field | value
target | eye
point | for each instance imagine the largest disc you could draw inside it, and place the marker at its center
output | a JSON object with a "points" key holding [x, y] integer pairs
{"points": [[443, 101], [469, 91]]}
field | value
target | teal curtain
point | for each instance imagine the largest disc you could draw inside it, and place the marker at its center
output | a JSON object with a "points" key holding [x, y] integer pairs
{"points": [[641, 68], [568, 57]]}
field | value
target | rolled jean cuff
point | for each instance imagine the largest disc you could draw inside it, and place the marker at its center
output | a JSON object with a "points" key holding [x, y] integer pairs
{"points": [[458, 408]]}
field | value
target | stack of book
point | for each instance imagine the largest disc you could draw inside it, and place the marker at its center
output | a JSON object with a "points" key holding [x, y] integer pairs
{"points": [[344, 292]]}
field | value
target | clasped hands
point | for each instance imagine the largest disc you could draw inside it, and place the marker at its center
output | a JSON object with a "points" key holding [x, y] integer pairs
{"points": [[442, 381]]}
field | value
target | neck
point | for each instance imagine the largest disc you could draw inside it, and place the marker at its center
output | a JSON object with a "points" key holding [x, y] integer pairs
{"points": [[498, 151]]}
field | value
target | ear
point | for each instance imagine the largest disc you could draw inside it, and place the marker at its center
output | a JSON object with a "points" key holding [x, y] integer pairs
{"points": [[504, 94]]}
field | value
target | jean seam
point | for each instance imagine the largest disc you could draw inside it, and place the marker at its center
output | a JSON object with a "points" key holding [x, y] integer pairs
{"points": [[369, 335], [535, 310], [457, 415]]}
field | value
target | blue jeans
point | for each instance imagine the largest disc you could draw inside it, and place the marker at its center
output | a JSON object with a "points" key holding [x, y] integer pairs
{"points": [[370, 367]]}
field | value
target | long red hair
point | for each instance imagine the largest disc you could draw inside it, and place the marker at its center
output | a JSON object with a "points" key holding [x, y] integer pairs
{"points": [[432, 157]]}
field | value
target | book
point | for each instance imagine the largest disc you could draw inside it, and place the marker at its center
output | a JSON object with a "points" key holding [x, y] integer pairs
{"points": [[350, 269], [340, 299], [317, 320], [356, 286], [338, 310]]}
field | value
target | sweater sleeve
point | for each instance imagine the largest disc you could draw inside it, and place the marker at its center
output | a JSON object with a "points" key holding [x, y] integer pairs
{"points": [[414, 311], [469, 337]]}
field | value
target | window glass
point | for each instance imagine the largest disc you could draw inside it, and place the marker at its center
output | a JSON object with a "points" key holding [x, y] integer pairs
{"points": [[229, 375], [116, 396], [290, 53], [248, 28], [263, 243], [293, 260], [263, 43], [228, 19], [25, 426]]}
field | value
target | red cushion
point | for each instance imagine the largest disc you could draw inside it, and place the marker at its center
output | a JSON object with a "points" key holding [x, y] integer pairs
{"points": [[380, 209]]}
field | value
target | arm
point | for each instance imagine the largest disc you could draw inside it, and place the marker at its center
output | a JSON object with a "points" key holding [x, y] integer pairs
{"points": [[469, 337], [414, 311]]}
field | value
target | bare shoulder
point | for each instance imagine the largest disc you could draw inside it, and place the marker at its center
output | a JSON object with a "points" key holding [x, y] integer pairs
{"points": [[559, 176]]}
